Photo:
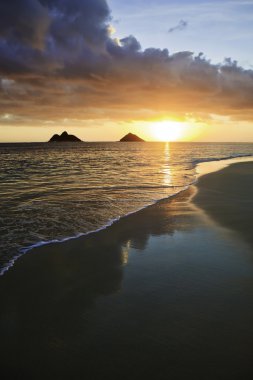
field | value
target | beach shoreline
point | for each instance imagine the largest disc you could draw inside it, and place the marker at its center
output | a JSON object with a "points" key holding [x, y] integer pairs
{"points": [[163, 291], [202, 169], [226, 196]]}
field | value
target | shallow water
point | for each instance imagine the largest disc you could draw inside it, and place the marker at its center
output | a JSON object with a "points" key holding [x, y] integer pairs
{"points": [[51, 191]]}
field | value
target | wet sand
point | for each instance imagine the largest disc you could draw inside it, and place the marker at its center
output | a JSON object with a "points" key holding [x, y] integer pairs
{"points": [[227, 196], [166, 292]]}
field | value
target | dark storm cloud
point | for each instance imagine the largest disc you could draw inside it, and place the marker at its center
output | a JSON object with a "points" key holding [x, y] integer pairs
{"points": [[78, 21], [30, 22], [24, 22], [180, 26], [59, 59], [37, 33]]}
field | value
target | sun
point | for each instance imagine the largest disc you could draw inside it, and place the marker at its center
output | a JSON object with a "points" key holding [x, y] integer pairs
{"points": [[167, 130]]}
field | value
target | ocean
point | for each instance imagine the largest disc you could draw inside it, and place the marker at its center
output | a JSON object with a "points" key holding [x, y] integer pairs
{"points": [[52, 192]]}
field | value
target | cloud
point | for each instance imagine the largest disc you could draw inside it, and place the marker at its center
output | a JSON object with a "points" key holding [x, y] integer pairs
{"points": [[24, 22], [180, 26], [70, 66]]}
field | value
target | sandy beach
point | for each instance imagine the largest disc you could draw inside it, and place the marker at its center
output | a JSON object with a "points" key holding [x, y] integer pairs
{"points": [[226, 196], [165, 292]]}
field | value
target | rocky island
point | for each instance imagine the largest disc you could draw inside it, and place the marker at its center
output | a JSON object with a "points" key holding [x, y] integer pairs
{"points": [[64, 137], [130, 137]]}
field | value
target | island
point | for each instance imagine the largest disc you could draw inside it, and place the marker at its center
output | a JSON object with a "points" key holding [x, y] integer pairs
{"points": [[64, 137], [130, 137]]}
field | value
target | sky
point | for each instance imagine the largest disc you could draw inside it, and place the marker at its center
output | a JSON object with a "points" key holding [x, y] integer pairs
{"points": [[165, 70]]}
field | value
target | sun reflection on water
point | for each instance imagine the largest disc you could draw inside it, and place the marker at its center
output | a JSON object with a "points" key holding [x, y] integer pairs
{"points": [[167, 180]]}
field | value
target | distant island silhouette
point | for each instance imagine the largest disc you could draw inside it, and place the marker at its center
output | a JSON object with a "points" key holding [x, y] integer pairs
{"points": [[130, 137], [64, 137]]}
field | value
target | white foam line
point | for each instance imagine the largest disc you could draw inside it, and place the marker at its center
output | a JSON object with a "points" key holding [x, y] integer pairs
{"points": [[207, 167], [200, 170], [24, 250]]}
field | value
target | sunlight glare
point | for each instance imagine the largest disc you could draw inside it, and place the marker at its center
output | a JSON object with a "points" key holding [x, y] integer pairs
{"points": [[167, 130]]}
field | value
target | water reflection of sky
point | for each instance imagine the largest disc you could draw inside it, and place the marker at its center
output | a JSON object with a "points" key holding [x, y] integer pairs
{"points": [[125, 252], [87, 303]]}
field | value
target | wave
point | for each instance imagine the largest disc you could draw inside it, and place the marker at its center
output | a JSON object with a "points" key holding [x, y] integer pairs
{"points": [[198, 161], [140, 187], [25, 250]]}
